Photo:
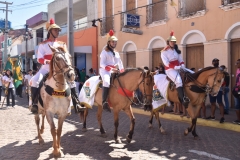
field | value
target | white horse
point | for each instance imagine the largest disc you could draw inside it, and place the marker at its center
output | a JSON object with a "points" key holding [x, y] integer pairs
{"points": [[58, 101]]}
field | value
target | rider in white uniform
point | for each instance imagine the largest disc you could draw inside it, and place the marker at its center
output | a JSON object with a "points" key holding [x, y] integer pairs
{"points": [[173, 62], [109, 59], [44, 56]]}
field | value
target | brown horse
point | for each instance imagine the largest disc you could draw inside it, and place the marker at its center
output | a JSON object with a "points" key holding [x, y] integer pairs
{"points": [[131, 79], [207, 80], [60, 72]]}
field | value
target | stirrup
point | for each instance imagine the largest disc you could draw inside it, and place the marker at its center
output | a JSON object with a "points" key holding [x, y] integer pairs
{"points": [[186, 99], [80, 108], [106, 107]]}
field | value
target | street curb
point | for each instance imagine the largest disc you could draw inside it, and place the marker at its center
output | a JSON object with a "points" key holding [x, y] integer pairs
{"points": [[202, 122]]}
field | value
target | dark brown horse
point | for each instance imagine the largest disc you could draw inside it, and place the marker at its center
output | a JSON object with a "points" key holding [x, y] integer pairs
{"points": [[207, 80], [130, 80]]}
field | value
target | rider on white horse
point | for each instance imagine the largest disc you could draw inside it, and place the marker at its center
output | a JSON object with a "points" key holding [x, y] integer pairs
{"points": [[173, 63], [44, 56], [109, 59]]}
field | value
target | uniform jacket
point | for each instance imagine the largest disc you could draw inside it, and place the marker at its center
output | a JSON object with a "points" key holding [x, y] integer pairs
{"points": [[109, 61], [45, 53], [171, 58]]}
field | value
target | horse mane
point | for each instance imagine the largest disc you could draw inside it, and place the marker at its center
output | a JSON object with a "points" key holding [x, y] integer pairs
{"points": [[127, 70], [196, 75], [51, 62]]}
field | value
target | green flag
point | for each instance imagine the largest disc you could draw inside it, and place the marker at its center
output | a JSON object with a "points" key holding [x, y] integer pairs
{"points": [[17, 75], [9, 64]]}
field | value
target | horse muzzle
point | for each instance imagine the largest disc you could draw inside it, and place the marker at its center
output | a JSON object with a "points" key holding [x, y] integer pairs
{"points": [[70, 75]]}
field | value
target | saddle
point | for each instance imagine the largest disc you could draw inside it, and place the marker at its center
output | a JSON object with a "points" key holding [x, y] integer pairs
{"points": [[185, 79], [112, 78]]}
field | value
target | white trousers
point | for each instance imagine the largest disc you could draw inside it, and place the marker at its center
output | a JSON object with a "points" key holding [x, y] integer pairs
{"points": [[175, 77], [105, 77], [36, 79]]}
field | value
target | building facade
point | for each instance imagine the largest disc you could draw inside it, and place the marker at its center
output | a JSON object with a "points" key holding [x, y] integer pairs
{"points": [[204, 30], [85, 36]]}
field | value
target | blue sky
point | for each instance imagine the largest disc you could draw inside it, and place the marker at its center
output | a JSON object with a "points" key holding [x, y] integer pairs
{"points": [[23, 10]]}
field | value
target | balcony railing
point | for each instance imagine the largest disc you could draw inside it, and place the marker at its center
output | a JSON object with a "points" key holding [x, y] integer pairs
{"points": [[156, 12], [226, 2], [106, 25], [189, 7]]}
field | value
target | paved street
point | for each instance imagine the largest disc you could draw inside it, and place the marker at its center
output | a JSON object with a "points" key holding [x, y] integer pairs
{"points": [[18, 139]]}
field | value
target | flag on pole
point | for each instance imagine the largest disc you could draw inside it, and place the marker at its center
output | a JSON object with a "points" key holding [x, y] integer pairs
{"points": [[17, 75], [9, 64]]}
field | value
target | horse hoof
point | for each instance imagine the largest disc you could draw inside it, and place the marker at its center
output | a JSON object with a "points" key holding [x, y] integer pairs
{"points": [[58, 154], [186, 132], [128, 140], [118, 141], [84, 129], [41, 141], [104, 135], [162, 131], [150, 125]]}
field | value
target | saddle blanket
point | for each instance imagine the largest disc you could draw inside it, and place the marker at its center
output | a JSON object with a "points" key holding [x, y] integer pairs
{"points": [[87, 93], [160, 92]]}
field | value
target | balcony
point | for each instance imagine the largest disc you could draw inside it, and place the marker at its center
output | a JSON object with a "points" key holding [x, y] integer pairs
{"points": [[230, 5], [156, 13], [191, 9]]}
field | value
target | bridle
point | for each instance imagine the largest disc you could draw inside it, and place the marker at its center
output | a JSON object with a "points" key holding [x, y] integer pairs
{"points": [[207, 88], [60, 69], [144, 88]]}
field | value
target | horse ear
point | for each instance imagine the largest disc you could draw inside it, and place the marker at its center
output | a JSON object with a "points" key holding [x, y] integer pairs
{"points": [[52, 48]]}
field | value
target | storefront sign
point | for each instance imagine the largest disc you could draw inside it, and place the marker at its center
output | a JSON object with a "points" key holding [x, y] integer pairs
{"points": [[134, 31], [131, 20]]}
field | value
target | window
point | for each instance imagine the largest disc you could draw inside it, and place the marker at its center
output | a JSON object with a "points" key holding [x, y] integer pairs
{"points": [[108, 19], [130, 6], [189, 7], [157, 11]]}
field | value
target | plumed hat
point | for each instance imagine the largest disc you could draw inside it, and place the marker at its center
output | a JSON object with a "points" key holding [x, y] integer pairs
{"points": [[51, 24], [172, 37], [110, 36]]}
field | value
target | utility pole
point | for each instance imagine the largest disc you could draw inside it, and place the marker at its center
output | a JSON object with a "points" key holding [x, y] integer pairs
{"points": [[26, 37], [70, 31], [4, 55]]}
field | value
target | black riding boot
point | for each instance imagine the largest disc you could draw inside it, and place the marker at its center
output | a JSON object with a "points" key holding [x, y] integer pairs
{"points": [[34, 93], [105, 104], [184, 100], [76, 103]]}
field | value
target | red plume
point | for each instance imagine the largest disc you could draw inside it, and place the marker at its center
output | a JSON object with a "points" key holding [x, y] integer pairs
{"points": [[51, 21], [111, 33], [171, 33]]}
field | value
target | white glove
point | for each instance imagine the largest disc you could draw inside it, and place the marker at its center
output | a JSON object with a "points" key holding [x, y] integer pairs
{"points": [[177, 67], [183, 66]]}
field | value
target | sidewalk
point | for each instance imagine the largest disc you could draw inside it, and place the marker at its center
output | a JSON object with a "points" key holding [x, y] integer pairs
{"points": [[228, 125]]}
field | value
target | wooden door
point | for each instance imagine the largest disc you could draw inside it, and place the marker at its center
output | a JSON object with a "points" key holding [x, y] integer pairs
{"points": [[156, 58], [131, 59], [195, 56], [235, 55]]}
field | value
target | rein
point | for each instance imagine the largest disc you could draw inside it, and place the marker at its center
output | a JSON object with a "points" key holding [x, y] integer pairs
{"points": [[61, 70], [142, 81], [205, 88]]}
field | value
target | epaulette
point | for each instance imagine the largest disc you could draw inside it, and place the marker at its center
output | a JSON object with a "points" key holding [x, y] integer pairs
{"points": [[166, 48], [61, 42]]}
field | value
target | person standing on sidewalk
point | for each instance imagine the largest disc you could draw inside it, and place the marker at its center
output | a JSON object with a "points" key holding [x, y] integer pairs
{"points": [[225, 89], [8, 82], [27, 79], [237, 100], [218, 98]]}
